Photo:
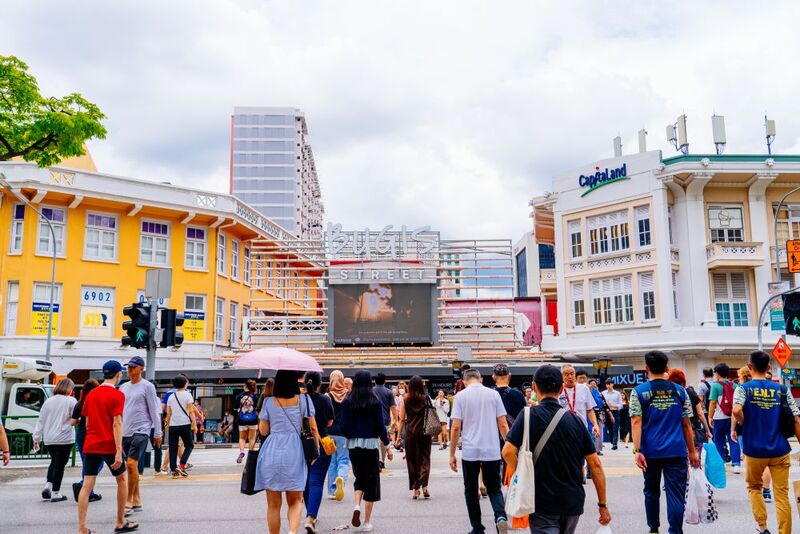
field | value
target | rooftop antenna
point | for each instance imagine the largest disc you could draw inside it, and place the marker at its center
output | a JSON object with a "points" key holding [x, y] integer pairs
{"points": [[676, 134], [617, 146], [642, 140], [718, 129], [769, 127]]}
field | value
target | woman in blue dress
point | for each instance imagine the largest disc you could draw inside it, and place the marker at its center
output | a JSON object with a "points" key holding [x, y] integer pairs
{"points": [[282, 466]]}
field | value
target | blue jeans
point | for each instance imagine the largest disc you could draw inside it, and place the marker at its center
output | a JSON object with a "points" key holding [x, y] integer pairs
{"points": [[675, 479], [722, 433], [612, 429], [340, 463], [315, 483]]}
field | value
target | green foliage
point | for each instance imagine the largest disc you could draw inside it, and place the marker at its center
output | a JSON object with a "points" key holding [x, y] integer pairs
{"points": [[39, 129]]}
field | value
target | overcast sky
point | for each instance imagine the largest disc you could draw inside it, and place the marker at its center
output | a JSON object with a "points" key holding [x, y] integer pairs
{"points": [[449, 114]]}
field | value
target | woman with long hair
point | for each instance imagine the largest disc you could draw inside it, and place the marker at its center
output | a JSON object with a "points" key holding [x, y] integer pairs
{"points": [[282, 467], [442, 405], [340, 461], [399, 438], [364, 428], [247, 416], [79, 422], [625, 419], [266, 392], [55, 428], [418, 444], [323, 415]]}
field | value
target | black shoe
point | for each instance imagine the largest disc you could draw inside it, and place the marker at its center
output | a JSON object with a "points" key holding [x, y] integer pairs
{"points": [[46, 494], [614, 448], [59, 499], [76, 490], [95, 497], [382, 465]]}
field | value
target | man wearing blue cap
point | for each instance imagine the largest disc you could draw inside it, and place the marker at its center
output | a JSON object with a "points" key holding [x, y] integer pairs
{"points": [[103, 408], [142, 413]]}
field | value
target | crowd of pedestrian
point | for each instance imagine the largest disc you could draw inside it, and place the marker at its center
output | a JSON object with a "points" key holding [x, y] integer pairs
{"points": [[313, 434]]}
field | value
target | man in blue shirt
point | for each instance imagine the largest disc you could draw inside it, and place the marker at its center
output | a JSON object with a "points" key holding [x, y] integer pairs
{"points": [[757, 407], [662, 436]]}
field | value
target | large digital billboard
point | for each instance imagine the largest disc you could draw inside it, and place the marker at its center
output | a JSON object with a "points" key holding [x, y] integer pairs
{"points": [[382, 314]]}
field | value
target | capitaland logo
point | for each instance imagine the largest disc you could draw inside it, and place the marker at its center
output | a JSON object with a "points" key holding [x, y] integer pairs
{"points": [[602, 177]]}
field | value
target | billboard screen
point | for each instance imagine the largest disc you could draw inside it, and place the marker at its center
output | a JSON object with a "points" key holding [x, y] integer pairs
{"points": [[376, 313]]}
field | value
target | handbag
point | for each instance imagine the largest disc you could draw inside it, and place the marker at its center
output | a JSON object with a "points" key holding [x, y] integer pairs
{"points": [[521, 497], [432, 427], [249, 474], [307, 439]]}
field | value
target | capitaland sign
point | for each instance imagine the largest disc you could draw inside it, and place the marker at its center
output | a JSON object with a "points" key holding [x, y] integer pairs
{"points": [[602, 177]]}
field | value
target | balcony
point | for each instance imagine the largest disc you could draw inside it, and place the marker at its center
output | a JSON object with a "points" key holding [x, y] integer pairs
{"points": [[547, 278], [741, 254]]}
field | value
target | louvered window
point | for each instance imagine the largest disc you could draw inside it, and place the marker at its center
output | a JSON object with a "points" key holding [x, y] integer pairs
{"points": [[608, 233], [730, 298], [642, 216], [575, 239], [612, 300], [675, 292], [578, 305], [648, 296]]}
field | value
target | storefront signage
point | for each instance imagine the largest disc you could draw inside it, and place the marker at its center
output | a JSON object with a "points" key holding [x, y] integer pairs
{"points": [[194, 326], [602, 177], [630, 379], [96, 315], [162, 302], [383, 244], [40, 316]]}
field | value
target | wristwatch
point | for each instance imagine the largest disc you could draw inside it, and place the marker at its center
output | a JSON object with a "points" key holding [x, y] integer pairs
{"points": [[636, 451], [601, 505]]}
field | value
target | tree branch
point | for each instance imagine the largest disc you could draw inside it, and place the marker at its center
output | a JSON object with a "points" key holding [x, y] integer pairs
{"points": [[5, 143]]}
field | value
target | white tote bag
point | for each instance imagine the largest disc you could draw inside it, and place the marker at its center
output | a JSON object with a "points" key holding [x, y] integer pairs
{"points": [[520, 498]]}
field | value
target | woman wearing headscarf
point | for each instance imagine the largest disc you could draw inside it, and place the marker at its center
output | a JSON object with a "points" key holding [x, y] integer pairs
{"points": [[340, 461]]}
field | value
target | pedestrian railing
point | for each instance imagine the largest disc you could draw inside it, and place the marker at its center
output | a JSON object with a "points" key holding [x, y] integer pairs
{"points": [[20, 442]]}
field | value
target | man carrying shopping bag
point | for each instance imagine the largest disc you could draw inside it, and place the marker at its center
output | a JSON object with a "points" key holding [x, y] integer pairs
{"points": [[662, 436], [560, 442], [759, 406]]}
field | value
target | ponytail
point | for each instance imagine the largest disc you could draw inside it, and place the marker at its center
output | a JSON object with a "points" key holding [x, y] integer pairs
{"points": [[313, 381]]}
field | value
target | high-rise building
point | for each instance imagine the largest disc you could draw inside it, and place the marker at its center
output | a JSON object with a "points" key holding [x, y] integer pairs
{"points": [[273, 170]]}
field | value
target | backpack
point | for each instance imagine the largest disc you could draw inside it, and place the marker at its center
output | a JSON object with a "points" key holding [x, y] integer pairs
{"points": [[726, 401]]}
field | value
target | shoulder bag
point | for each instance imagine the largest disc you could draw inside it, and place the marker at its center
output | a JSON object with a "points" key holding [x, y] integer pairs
{"points": [[307, 439], [521, 498], [432, 425], [787, 417]]}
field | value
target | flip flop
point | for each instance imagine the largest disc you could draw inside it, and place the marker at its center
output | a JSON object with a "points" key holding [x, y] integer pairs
{"points": [[127, 527]]}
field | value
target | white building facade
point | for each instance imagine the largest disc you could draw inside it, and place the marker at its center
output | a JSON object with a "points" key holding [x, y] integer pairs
{"points": [[669, 254]]}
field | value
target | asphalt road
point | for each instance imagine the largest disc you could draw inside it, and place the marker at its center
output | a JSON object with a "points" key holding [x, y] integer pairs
{"points": [[209, 502]]}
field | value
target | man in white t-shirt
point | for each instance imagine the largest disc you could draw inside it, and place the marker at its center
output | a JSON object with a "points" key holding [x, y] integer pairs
{"points": [[181, 423], [479, 412], [613, 399]]}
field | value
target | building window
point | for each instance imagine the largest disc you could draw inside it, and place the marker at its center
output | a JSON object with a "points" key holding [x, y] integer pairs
{"points": [[648, 296], [669, 224], [522, 273], [726, 224], [12, 307], [575, 239], [219, 321], [245, 314], [235, 259], [58, 219], [233, 325], [17, 227], [195, 303], [642, 214], [154, 244], [102, 236], [40, 306], [259, 273], [195, 248], [247, 266], [730, 298], [578, 306], [612, 300], [675, 292], [608, 233], [222, 252]]}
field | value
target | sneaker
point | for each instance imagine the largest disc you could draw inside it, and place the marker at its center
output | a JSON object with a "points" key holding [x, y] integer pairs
{"points": [[187, 467], [614, 448], [382, 465], [59, 498], [47, 494], [76, 490], [179, 473], [765, 531], [240, 458], [356, 519], [339, 493], [736, 469], [767, 495], [367, 527], [311, 525], [502, 525], [94, 497]]}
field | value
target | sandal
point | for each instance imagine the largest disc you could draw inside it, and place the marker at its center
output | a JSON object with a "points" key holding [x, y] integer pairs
{"points": [[425, 493], [127, 527], [416, 494]]}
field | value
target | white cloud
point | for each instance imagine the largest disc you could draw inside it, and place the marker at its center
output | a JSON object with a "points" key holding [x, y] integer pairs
{"points": [[450, 113]]}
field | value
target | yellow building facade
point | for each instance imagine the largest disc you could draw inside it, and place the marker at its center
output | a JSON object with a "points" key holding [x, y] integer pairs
{"points": [[109, 231]]}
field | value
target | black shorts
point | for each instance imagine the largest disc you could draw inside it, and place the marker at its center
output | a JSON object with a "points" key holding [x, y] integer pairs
{"points": [[93, 462], [367, 472], [134, 446]]}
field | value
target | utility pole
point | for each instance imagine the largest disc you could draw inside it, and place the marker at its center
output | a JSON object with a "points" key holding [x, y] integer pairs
{"points": [[155, 338]]}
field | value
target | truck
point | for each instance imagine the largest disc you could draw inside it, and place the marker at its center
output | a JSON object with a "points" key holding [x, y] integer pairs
{"points": [[22, 393]]}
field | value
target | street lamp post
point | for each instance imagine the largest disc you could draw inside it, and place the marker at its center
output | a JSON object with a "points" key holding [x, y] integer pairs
{"points": [[5, 185]]}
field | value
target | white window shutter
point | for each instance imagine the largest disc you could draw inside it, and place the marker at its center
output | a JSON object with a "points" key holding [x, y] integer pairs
{"points": [[720, 284], [577, 290], [574, 227], [642, 212], [646, 282], [738, 286]]}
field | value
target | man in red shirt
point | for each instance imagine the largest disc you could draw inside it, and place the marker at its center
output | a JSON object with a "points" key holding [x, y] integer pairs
{"points": [[102, 409]]}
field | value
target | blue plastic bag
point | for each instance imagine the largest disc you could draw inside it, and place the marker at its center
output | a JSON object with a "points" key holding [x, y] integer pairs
{"points": [[714, 467]]}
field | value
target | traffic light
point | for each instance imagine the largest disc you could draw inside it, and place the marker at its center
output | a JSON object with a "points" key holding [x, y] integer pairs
{"points": [[170, 321], [791, 313], [138, 328]]}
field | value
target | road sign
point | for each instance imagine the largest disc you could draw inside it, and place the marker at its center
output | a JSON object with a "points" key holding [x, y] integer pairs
{"points": [[158, 283], [793, 255], [776, 322], [782, 352], [789, 373]]}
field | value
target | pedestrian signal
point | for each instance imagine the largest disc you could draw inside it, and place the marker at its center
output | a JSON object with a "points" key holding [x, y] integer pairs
{"points": [[137, 330]]}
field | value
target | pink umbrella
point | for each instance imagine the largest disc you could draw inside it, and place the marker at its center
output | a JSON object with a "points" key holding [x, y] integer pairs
{"points": [[277, 359]]}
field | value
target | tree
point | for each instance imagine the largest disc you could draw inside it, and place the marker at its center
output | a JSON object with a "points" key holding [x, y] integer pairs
{"points": [[39, 129]]}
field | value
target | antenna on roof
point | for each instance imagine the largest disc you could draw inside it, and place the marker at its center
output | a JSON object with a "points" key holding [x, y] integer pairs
{"points": [[718, 129], [617, 146], [642, 140], [769, 127], [676, 134]]}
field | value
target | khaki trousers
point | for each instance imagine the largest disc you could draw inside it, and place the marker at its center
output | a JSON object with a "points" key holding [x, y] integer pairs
{"points": [[779, 469]]}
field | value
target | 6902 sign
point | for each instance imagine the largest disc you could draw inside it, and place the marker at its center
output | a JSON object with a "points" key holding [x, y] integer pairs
{"points": [[97, 296]]}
